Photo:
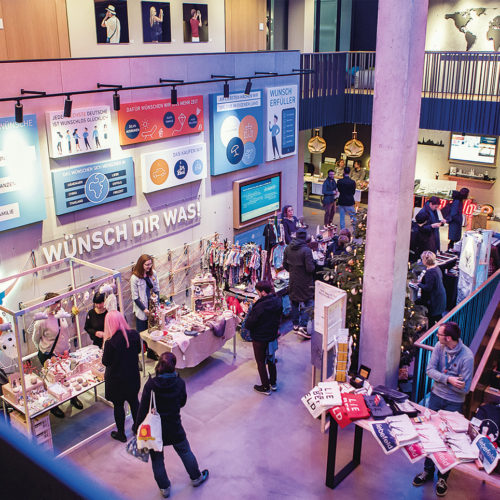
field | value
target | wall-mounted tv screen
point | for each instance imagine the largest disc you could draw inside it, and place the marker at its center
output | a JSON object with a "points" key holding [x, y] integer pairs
{"points": [[480, 149], [255, 199]]}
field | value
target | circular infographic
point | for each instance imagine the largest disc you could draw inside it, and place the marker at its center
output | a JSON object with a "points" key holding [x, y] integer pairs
{"points": [[192, 121], [229, 129], [248, 129], [96, 187], [158, 172], [249, 153], [169, 119], [197, 167], [132, 129], [181, 169], [235, 150]]}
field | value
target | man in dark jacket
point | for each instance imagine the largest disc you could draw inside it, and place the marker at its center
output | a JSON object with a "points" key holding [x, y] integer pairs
{"points": [[347, 189], [170, 396], [421, 233], [329, 190], [263, 321], [298, 261], [433, 223], [455, 217]]}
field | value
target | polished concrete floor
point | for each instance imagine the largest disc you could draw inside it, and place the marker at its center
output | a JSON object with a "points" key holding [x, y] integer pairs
{"points": [[261, 447]]}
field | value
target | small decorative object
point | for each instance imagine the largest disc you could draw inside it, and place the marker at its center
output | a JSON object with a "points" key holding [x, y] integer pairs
{"points": [[359, 379], [354, 148], [316, 144]]}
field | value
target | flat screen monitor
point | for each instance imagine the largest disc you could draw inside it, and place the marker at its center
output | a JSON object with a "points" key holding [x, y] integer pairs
{"points": [[255, 199], [469, 148]]}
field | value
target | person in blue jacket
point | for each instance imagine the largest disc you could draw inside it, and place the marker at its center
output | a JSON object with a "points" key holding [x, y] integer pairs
{"points": [[455, 218], [329, 191], [433, 223]]}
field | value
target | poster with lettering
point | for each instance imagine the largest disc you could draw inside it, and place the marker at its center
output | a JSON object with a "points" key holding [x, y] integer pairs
{"points": [[22, 198], [172, 167], [86, 186], [152, 120], [236, 133], [384, 437], [414, 452], [444, 460], [282, 123], [85, 131]]}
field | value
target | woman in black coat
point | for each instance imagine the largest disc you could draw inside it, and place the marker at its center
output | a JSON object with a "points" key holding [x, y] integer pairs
{"points": [[455, 218], [170, 396], [94, 322], [122, 380], [433, 292], [263, 321]]}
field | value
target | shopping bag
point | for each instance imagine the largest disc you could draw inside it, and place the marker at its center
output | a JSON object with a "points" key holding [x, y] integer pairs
{"points": [[135, 452], [149, 435]]}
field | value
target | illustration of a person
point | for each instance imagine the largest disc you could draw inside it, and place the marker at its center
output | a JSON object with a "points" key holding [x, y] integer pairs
{"points": [[275, 130], [155, 24], [86, 138], [95, 135], [112, 25], [68, 139], [76, 137], [195, 23], [59, 142]]}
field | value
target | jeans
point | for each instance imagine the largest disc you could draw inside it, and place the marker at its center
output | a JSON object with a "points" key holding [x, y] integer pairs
{"points": [[300, 317], [260, 350], [436, 403], [329, 213], [351, 211], [188, 459]]}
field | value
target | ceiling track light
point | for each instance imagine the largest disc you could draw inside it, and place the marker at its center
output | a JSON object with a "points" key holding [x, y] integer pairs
{"points": [[248, 87], [116, 101], [173, 96], [226, 90], [68, 104], [19, 112]]}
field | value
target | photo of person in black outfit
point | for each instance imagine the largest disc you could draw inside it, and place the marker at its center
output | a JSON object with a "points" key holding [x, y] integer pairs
{"points": [[94, 321], [263, 321]]}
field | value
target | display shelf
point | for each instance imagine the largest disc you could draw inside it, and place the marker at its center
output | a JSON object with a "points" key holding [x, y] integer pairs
{"points": [[465, 177]]}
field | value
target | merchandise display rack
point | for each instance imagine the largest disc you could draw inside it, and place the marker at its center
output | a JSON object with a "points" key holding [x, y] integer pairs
{"points": [[17, 316]]}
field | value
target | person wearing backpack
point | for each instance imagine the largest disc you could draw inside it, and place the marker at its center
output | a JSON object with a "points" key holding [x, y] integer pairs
{"points": [[170, 395]]}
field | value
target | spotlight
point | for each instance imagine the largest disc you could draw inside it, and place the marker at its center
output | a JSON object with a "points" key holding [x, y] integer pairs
{"points": [[173, 95], [226, 90], [248, 88], [68, 103], [19, 112], [116, 101]]}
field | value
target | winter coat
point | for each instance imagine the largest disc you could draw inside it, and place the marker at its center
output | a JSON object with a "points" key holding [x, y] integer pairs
{"points": [[455, 218], [289, 227], [263, 320], [328, 190], [122, 379], [170, 396], [298, 261], [347, 189], [419, 240], [433, 292], [434, 242]]}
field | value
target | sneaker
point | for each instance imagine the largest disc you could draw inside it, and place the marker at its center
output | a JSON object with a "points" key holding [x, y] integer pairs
{"points": [[422, 478], [262, 389], [303, 332], [57, 412], [274, 387], [203, 477], [75, 402], [165, 492], [119, 436], [441, 487]]}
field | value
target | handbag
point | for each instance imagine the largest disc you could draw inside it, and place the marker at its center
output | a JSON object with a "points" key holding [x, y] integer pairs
{"points": [[149, 435], [136, 452]]}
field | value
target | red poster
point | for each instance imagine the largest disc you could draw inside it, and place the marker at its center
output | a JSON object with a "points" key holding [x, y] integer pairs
{"points": [[152, 120]]}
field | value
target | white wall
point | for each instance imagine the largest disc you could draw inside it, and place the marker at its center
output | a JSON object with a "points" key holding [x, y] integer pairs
{"points": [[301, 25], [443, 35], [83, 40], [432, 159]]}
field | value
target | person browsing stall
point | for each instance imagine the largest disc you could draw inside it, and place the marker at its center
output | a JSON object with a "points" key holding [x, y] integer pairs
{"points": [[433, 292], [433, 223], [455, 217], [94, 321], [51, 338], [289, 222], [170, 395], [329, 191], [347, 188], [451, 368]]}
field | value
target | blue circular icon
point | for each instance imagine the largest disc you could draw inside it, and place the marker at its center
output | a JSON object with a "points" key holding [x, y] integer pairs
{"points": [[181, 169], [192, 121], [132, 129], [169, 119], [249, 154], [235, 150], [197, 167], [96, 187]]}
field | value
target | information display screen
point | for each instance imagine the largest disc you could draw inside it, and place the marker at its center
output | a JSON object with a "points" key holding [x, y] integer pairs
{"points": [[473, 148]]}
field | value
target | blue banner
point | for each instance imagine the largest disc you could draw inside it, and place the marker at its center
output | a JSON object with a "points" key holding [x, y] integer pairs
{"points": [[236, 132], [82, 187], [22, 199]]}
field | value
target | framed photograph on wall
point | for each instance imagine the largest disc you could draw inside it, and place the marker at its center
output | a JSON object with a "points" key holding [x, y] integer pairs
{"points": [[111, 21], [195, 22], [156, 22]]}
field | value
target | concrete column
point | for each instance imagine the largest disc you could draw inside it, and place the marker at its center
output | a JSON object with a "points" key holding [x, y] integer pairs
{"points": [[396, 114]]}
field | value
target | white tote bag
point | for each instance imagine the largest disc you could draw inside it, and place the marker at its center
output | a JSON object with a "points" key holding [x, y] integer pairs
{"points": [[149, 435]]}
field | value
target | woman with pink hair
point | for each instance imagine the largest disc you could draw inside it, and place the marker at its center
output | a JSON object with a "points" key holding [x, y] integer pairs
{"points": [[122, 346]]}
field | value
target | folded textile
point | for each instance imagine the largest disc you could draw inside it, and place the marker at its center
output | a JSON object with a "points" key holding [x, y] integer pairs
{"points": [[355, 406], [455, 421], [378, 407], [430, 438], [402, 428], [461, 446], [339, 414], [384, 437], [330, 394]]}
